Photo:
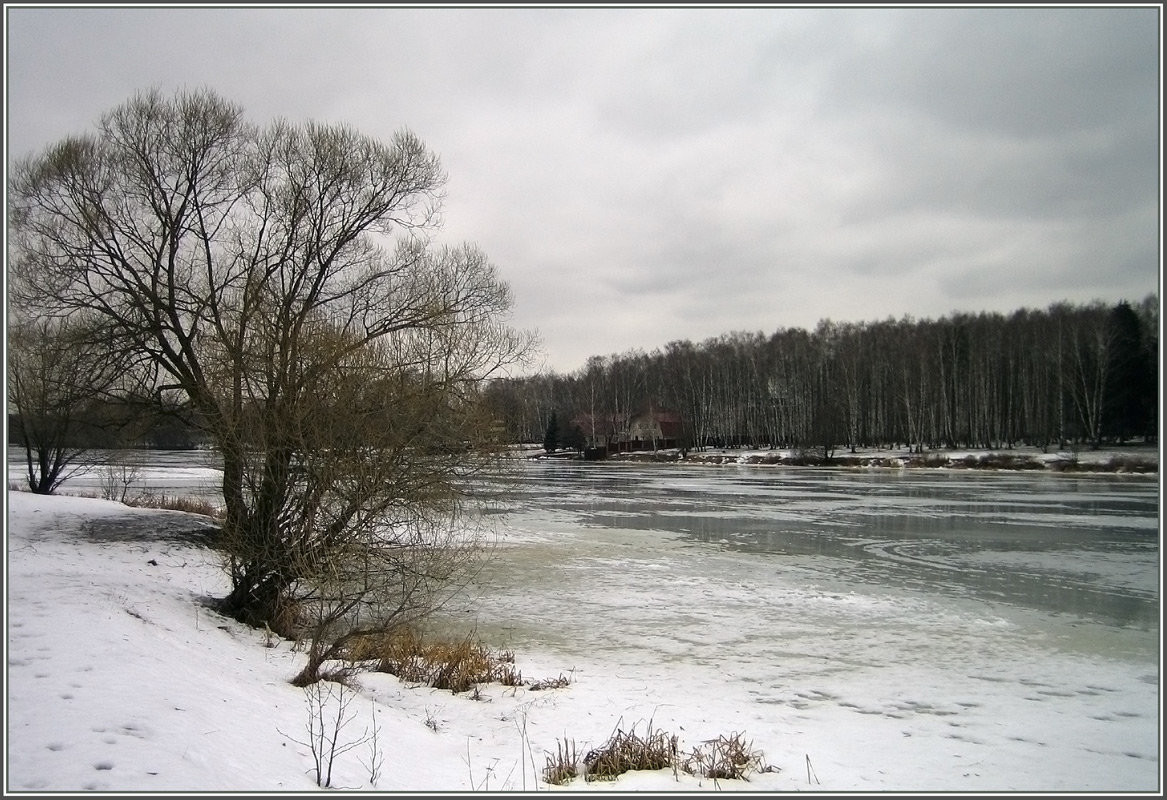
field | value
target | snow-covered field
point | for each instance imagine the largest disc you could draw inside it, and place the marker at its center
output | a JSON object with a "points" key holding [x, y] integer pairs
{"points": [[120, 681]]}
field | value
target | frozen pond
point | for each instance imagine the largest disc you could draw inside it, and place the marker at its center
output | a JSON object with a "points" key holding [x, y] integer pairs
{"points": [[1000, 628], [607, 556], [1076, 549], [162, 473], [1009, 620]]}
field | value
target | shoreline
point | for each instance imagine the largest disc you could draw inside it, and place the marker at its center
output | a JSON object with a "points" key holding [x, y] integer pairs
{"points": [[1135, 459]]}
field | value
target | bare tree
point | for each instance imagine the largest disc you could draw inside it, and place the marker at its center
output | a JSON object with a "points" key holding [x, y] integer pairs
{"points": [[280, 279], [1090, 343], [58, 371]]}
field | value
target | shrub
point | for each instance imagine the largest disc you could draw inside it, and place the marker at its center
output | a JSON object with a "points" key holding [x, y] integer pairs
{"points": [[935, 460], [807, 457], [1130, 464], [1006, 461]]}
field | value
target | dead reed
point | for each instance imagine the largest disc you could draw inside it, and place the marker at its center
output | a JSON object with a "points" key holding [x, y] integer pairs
{"points": [[459, 666], [627, 751], [564, 765], [191, 505], [724, 758]]}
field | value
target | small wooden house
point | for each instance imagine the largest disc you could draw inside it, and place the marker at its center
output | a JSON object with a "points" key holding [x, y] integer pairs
{"points": [[652, 429]]}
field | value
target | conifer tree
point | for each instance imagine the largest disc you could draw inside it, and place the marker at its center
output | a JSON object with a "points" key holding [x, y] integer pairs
{"points": [[551, 436]]}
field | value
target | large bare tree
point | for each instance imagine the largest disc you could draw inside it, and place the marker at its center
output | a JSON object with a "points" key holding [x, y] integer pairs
{"points": [[283, 280]]}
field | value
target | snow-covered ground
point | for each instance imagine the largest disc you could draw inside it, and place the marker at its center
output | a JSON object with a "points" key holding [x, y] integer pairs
{"points": [[120, 680]]}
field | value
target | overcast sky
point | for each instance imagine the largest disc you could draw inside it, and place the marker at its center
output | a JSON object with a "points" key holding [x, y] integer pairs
{"points": [[644, 175]]}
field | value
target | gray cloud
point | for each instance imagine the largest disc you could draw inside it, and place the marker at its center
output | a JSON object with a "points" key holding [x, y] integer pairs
{"points": [[641, 175]]}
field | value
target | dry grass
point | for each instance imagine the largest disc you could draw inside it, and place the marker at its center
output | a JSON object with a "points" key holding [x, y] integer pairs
{"points": [[191, 505], [563, 766], [627, 751], [724, 758], [163, 502], [550, 683], [459, 666]]}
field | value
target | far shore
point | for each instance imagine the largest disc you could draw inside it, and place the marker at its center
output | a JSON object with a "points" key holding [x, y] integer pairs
{"points": [[1133, 458]]}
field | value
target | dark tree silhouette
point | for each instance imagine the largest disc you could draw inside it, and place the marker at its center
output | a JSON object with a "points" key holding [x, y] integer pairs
{"points": [[551, 435], [1130, 388]]}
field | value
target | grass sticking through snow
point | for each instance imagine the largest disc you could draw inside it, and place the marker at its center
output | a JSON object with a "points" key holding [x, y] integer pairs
{"points": [[459, 666], [191, 505], [724, 758]]}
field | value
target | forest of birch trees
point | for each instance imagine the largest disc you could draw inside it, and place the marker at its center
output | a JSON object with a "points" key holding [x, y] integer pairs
{"points": [[1066, 376]]}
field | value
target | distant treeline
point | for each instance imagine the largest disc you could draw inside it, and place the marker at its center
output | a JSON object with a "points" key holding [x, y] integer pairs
{"points": [[1070, 375], [125, 423], [1064, 376]]}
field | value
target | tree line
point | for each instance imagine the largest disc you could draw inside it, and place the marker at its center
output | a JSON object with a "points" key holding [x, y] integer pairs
{"points": [[1070, 375]]}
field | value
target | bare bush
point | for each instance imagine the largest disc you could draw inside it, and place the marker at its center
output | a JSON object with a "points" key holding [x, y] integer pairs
{"points": [[329, 716], [117, 476]]}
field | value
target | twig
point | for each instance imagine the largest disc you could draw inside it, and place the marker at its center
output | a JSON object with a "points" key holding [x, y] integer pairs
{"points": [[810, 771]]}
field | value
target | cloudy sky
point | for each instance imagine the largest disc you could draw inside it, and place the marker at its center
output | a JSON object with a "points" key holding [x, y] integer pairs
{"points": [[643, 175]]}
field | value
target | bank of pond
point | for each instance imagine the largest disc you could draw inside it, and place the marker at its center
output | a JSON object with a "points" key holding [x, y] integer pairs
{"points": [[1141, 459]]}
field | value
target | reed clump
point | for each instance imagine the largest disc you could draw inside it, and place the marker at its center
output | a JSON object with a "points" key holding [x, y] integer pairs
{"points": [[728, 757], [627, 750], [190, 505], [563, 767], [459, 666], [456, 665]]}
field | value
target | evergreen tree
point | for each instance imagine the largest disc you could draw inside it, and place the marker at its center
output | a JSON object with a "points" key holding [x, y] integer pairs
{"points": [[551, 436], [1130, 390]]}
